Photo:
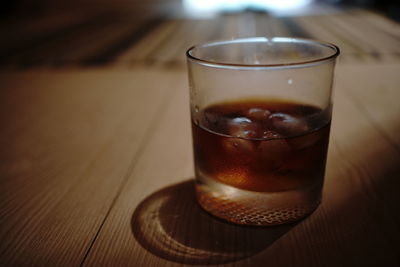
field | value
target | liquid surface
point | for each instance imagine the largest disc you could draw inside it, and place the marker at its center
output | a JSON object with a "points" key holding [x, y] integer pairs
{"points": [[261, 145]]}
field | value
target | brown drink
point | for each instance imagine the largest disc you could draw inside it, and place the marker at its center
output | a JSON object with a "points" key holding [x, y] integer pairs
{"points": [[252, 150]]}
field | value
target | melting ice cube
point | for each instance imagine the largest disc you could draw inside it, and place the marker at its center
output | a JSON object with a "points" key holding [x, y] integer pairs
{"points": [[243, 127], [307, 140], [269, 134], [258, 114], [288, 125], [273, 149], [238, 145]]}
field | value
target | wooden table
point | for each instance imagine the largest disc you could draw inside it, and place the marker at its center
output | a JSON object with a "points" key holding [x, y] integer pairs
{"points": [[96, 170]]}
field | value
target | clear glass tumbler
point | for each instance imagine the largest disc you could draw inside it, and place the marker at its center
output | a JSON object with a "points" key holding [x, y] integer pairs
{"points": [[261, 113]]}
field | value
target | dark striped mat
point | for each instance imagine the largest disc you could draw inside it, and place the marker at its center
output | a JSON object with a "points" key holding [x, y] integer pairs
{"points": [[101, 40]]}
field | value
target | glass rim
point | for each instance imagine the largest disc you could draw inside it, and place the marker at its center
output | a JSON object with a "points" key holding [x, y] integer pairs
{"points": [[335, 52]]}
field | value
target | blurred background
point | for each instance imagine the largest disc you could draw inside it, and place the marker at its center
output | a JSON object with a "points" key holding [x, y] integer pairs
{"points": [[126, 33]]}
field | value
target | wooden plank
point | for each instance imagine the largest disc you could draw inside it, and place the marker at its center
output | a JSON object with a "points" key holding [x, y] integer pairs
{"points": [[319, 30], [68, 140], [356, 225], [264, 25], [148, 44], [166, 160], [357, 34], [205, 30], [385, 25], [377, 37], [378, 46], [376, 98], [278, 28], [170, 47], [118, 45]]}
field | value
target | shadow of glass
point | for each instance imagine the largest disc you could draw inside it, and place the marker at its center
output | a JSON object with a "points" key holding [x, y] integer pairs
{"points": [[170, 224]]}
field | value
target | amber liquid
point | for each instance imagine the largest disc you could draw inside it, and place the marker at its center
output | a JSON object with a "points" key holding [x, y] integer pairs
{"points": [[249, 150]]}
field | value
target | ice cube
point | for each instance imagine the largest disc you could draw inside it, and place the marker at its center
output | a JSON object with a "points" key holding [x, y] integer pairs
{"points": [[273, 150], [308, 140], [316, 120], [241, 121], [269, 134], [243, 127], [288, 125], [212, 120], [237, 145], [258, 114]]}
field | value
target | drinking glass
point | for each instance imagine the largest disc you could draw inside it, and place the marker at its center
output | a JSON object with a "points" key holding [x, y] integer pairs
{"points": [[261, 114]]}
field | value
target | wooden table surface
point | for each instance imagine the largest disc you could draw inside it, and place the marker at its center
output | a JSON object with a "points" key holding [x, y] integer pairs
{"points": [[96, 162]]}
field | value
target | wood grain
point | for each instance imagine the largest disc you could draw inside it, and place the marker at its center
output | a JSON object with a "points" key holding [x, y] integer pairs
{"points": [[96, 164], [357, 212], [68, 140]]}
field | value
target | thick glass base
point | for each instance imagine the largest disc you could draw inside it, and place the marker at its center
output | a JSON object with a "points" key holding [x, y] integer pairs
{"points": [[256, 208]]}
